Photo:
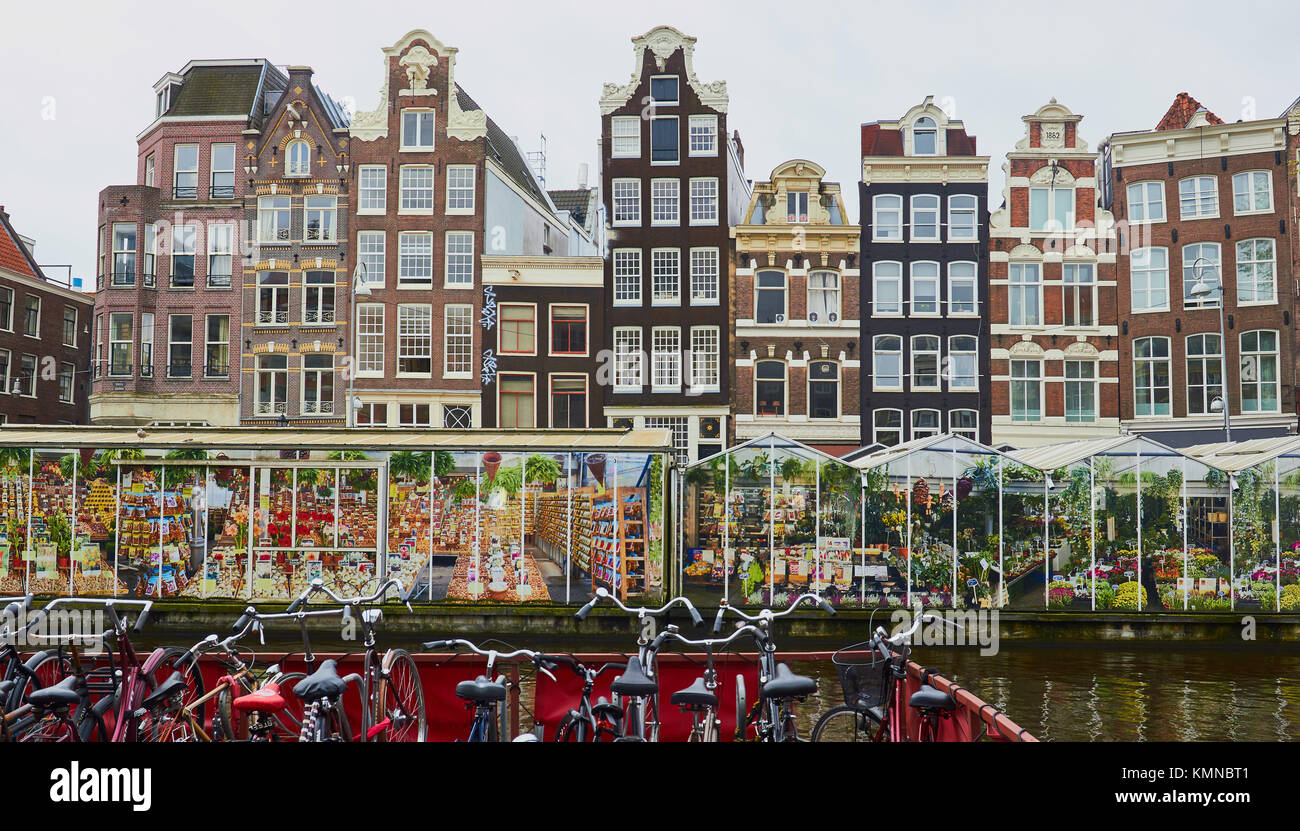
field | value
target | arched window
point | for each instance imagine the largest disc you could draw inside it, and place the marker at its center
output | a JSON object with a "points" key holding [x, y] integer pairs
{"points": [[824, 297], [823, 389], [925, 141], [297, 158], [925, 423], [964, 423], [887, 427], [769, 388], [887, 361]]}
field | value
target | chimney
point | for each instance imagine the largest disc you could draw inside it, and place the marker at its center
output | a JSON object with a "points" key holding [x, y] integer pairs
{"points": [[582, 176], [740, 148]]}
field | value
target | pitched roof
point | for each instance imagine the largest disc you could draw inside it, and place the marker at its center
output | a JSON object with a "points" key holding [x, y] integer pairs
{"points": [[575, 201], [217, 90], [505, 152], [1181, 111], [13, 254]]}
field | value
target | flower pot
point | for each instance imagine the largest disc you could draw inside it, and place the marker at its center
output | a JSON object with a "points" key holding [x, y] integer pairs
{"points": [[491, 463]]}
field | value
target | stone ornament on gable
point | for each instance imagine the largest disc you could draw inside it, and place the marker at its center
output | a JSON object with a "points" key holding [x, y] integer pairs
{"points": [[662, 42], [418, 63]]}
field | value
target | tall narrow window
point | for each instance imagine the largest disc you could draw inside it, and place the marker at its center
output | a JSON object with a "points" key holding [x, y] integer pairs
{"points": [[925, 137], [823, 390], [704, 135], [704, 277], [180, 346], [67, 381], [627, 277], [887, 288], [146, 344], [1149, 279], [1204, 372], [1079, 293], [887, 218], [221, 255], [769, 388], [1202, 263], [664, 140], [963, 297], [370, 339], [183, 238], [628, 358], [216, 362], [625, 136], [962, 366], [370, 254], [962, 225], [627, 201], [769, 297], [925, 362], [1151, 377], [297, 158], [272, 384], [70, 326], [517, 406], [150, 254], [273, 218], [887, 362], [705, 355], [372, 189], [925, 288], [318, 297], [273, 298], [925, 217], [32, 316], [460, 259], [124, 253], [666, 277], [796, 208], [1080, 392], [824, 297], [415, 184], [704, 201], [6, 309], [665, 358], [317, 384], [414, 258], [568, 401], [665, 201], [185, 172], [414, 339], [223, 171], [1026, 390], [460, 188], [1256, 277], [1025, 294], [1259, 375]]}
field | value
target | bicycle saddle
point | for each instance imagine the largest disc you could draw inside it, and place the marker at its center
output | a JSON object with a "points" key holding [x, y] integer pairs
{"points": [[165, 690], [61, 694], [634, 681], [481, 689], [785, 684], [696, 695], [266, 700], [323, 683], [605, 708], [929, 698], [5, 688]]}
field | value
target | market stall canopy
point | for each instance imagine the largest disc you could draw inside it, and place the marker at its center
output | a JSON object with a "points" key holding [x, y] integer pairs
{"points": [[772, 441], [1050, 457], [945, 443], [1234, 457], [334, 438]]}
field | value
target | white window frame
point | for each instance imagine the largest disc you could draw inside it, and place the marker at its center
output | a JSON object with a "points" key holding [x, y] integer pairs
{"points": [[1074, 288], [1150, 287], [327, 210], [457, 260], [418, 147], [914, 350], [1026, 381], [458, 340], [933, 200], [963, 381], [706, 276], [312, 379], [1248, 176], [706, 356], [221, 244], [619, 141], [501, 329], [297, 166], [1145, 201], [876, 353], [895, 229], [665, 202], [1166, 359], [972, 280], [629, 200], [375, 260], [1249, 270], [1025, 281], [915, 280], [409, 258], [274, 208], [703, 205], [1204, 203], [1081, 382], [1213, 272], [461, 199], [677, 131], [972, 433], [660, 261], [665, 359], [625, 261], [925, 431], [412, 195], [417, 343], [1207, 391], [1051, 222], [370, 358], [708, 129], [629, 359], [372, 198], [972, 211], [877, 279], [1257, 356], [833, 315], [876, 429]]}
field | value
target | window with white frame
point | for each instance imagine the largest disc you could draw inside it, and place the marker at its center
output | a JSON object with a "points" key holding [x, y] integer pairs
{"points": [[568, 334], [460, 258], [704, 201], [222, 174], [627, 201], [886, 288], [460, 188], [150, 167], [664, 139], [925, 217], [1202, 261], [925, 137], [824, 297], [568, 401], [372, 189], [704, 276], [625, 136], [272, 382], [25, 383], [67, 379], [887, 218], [769, 297], [1080, 392], [887, 362], [962, 368], [414, 258], [124, 253], [273, 298], [1146, 202], [1151, 385], [1256, 274], [796, 207], [1252, 192], [769, 388], [665, 202], [417, 129], [221, 255], [962, 224], [318, 297], [1026, 390], [216, 360], [414, 415], [887, 427], [150, 253], [665, 277], [416, 185], [297, 158], [1079, 294], [317, 383], [273, 218], [1259, 372], [704, 135], [180, 346], [183, 248], [320, 215], [70, 326], [370, 339], [1025, 294], [370, 254], [627, 277], [964, 423], [1051, 209], [628, 357], [1204, 372], [120, 343], [963, 296], [372, 414], [1198, 197], [185, 172], [458, 336], [823, 390], [925, 362], [6, 359], [925, 288], [705, 356], [925, 423], [32, 316], [665, 358], [414, 339], [1149, 279], [7, 309], [664, 90]]}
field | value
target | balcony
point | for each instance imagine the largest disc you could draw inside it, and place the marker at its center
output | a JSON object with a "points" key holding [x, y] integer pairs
{"points": [[318, 407], [219, 281], [180, 370], [216, 370], [272, 318], [270, 408], [221, 192], [318, 316], [124, 278], [185, 192]]}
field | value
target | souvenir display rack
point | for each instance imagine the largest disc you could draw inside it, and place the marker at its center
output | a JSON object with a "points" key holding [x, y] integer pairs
{"points": [[553, 525], [618, 556]]}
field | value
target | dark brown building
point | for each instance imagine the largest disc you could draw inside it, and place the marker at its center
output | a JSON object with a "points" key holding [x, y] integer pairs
{"points": [[44, 339], [673, 184], [1201, 215]]}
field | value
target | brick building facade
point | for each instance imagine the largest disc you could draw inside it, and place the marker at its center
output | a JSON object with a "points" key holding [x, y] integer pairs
{"points": [[1200, 202], [795, 303], [1054, 325]]}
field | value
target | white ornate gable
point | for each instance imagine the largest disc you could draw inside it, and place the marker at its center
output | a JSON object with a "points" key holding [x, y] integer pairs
{"points": [[662, 42], [418, 62]]}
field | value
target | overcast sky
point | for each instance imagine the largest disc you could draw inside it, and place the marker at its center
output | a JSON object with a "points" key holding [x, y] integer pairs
{"points": [[76, 78]]}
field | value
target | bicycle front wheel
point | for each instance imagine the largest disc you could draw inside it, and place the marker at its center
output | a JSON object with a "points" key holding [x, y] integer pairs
{"points": [[399, 700], [847, 724]]}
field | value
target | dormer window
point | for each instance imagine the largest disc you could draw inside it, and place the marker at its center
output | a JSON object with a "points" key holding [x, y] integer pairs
{"points": [[298, 158], [796, 207], [925, 137], [164, 99]]}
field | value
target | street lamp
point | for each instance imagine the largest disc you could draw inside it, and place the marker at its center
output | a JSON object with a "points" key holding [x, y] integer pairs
{"points": [[360, 288], [1201, 290]]}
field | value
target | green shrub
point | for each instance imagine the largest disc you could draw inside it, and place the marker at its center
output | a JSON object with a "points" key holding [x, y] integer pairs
{"points": [[1105, 597], [1127, 596]]}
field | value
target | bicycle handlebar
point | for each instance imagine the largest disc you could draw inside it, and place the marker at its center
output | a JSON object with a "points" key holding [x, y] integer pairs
{"points": [[716, 643], [318, 586], [768, 614], [603, 593], [538, 658], [903, 637]]}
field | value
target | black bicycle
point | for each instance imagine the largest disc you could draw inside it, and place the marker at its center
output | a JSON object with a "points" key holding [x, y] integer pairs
{"points": [[599, 722], [486, 694]]}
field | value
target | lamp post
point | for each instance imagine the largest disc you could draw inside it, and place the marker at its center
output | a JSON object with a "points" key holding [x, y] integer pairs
{"points": [[359, 289], [1202, 290]]}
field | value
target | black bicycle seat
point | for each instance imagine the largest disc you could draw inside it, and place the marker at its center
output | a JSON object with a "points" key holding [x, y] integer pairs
{"points": [[696, 695], [785, 684], [929, 698], [61, 694], [634, 681], [323, 683], [481, 689], [166, 689]]}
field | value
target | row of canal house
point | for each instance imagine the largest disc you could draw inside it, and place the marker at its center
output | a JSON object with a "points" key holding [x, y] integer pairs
{"points": [[282, 261]]}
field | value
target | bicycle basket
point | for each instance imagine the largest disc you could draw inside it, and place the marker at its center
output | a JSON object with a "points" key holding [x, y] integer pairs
{"points": [[866, 678]]}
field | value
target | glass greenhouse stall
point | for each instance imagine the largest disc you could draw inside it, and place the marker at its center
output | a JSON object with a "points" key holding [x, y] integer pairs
{"points": [[510, 517]]}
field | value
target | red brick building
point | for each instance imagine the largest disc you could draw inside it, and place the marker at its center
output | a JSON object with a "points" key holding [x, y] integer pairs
{"points": [[44, 339], [1201, 214], [1054, 321]]}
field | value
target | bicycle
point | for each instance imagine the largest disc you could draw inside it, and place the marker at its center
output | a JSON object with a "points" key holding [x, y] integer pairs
{"points": [[589, 722], [873, 675], [700, 699], [636, 689], [485, 695], [771, 718]]}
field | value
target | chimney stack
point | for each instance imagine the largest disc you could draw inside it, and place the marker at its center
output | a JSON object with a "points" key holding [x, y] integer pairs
{"points": [[582, 176]]}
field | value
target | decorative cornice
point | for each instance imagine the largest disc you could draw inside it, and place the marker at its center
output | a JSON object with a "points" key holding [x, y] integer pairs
{"points": [[663, 41], [417, 60]]}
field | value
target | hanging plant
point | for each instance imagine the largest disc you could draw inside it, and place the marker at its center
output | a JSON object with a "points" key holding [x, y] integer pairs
{"points": [[921, 492], [964, 487]]}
